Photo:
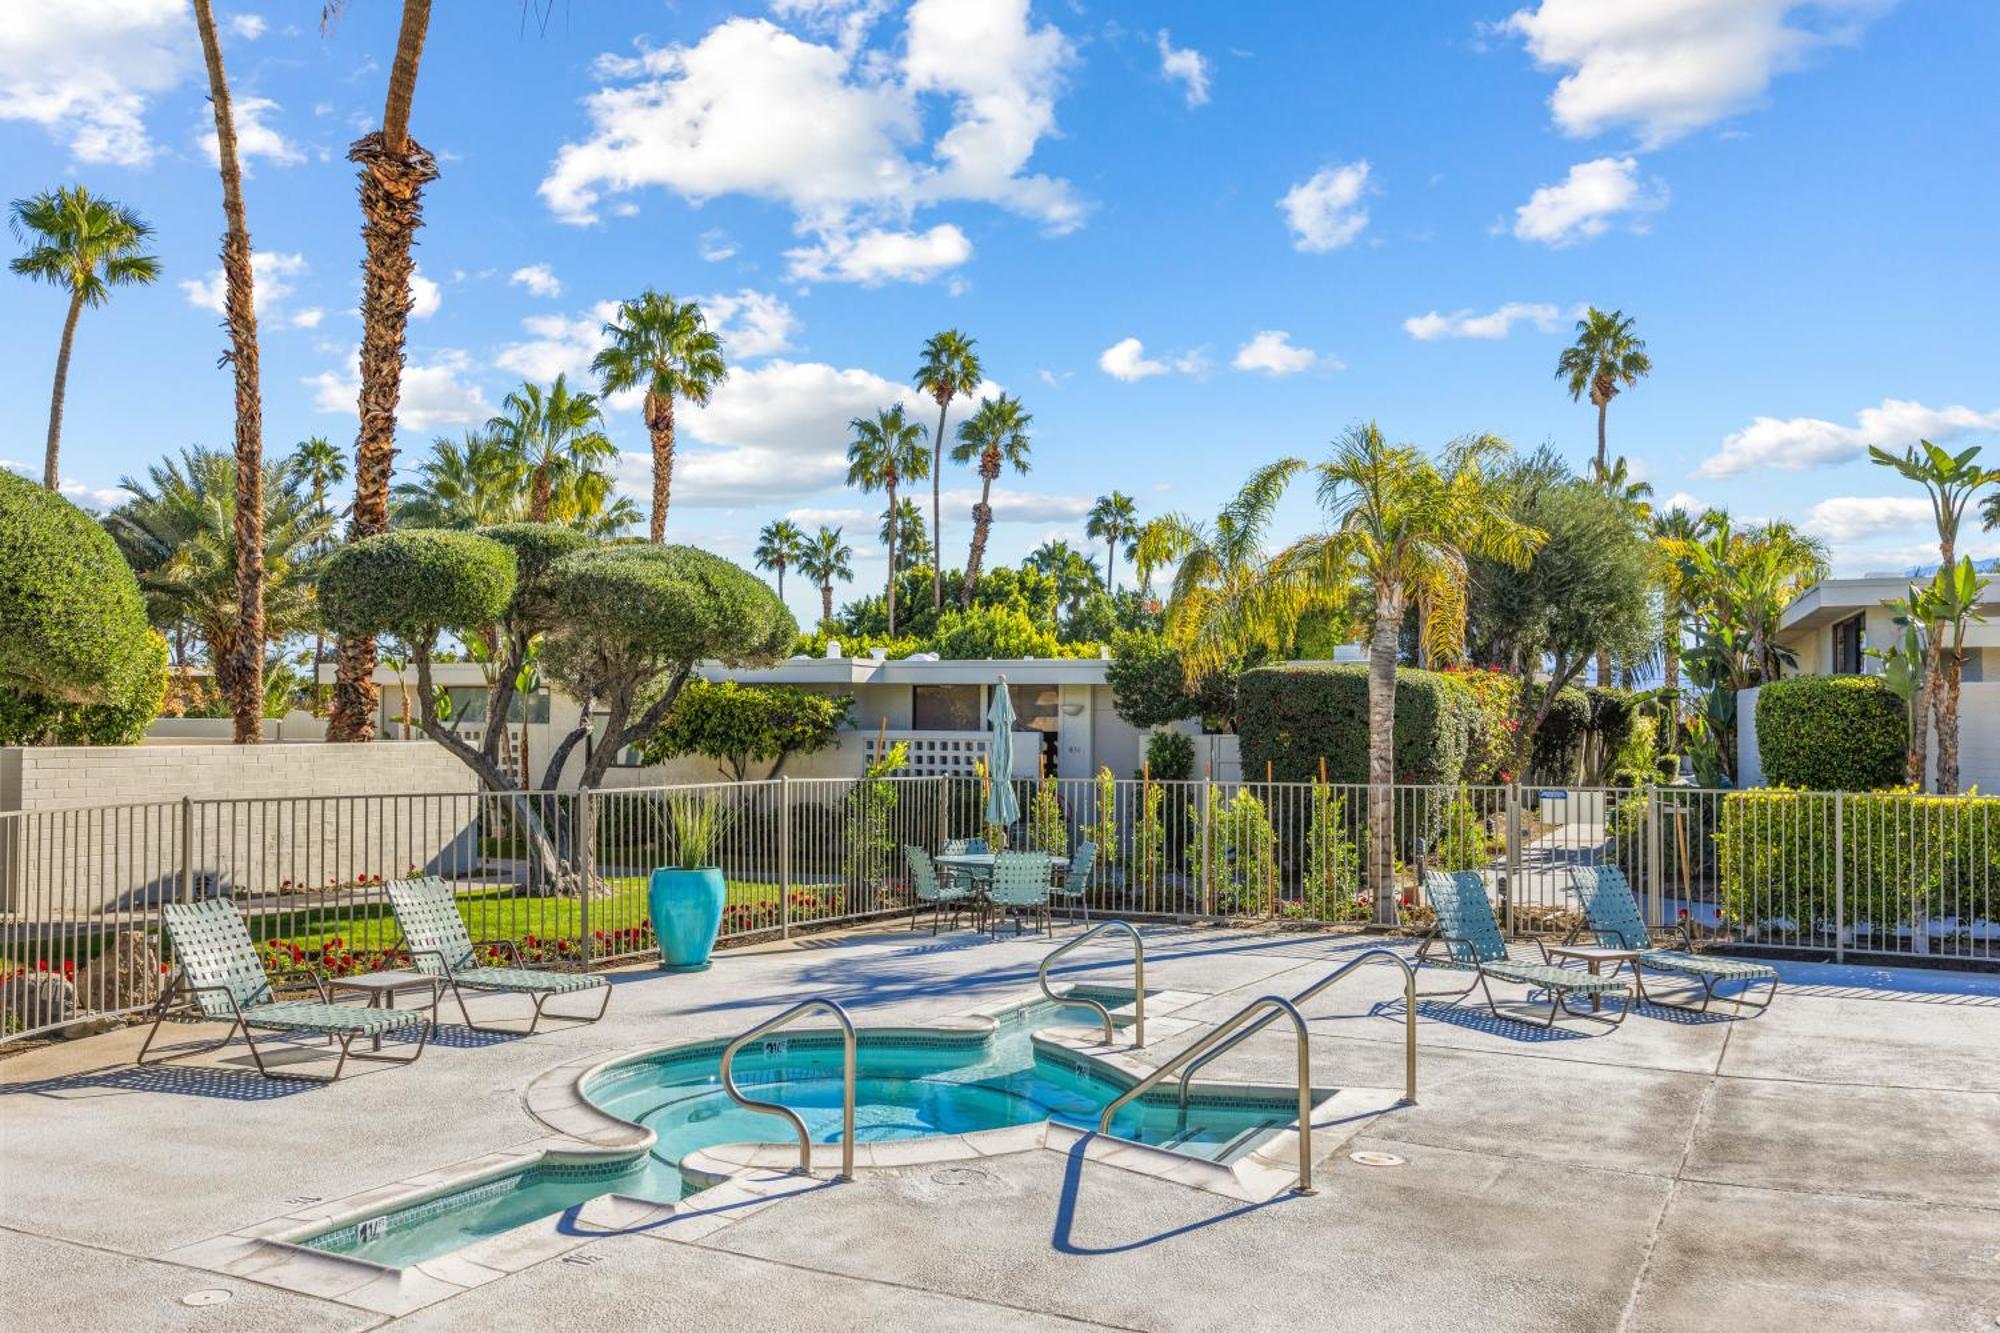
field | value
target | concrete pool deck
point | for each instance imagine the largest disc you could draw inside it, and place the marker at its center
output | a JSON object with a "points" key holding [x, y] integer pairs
{"points": [[1831, 1165]]}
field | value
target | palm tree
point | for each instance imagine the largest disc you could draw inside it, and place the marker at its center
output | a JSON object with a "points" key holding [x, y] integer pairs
{"points": [[1114, 519], [470, 483], [1672, 532], [779, 545], [246, 701], [913, 539], [883, 454], [556, 435], [178, 533], [667, 346], [317, 464], [1635, 498], [950, 367], [1950, 481], [823, 559], [996, 433], [1404, 525], [1605, 358], [86, 246], [1073, 572]]}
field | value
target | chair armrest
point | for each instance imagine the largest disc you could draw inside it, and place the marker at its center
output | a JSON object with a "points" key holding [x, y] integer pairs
{"points": [[278, 976], [444, 971]]}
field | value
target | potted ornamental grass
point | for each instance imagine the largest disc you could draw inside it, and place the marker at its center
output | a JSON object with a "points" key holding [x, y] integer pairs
{"points": [[685, 898]]}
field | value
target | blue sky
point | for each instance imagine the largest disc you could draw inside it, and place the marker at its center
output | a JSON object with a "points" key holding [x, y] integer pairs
{"points": [[1306, 215]]}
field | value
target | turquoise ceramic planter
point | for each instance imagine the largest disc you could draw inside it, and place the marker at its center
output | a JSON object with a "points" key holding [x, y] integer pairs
{"points": [[686, 906]]}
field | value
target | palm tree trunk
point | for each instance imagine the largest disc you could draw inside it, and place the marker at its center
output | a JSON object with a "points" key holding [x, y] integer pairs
{"points": [[1920, 715], [781, 582], [937, 514], [539, 495], [51, 475], [1381, 747], [825, 603], [1111, 565], [1950, 670], [892, 559], [1603, 457], [660, 425], [982, 520], [246, 699], [394, 170]]}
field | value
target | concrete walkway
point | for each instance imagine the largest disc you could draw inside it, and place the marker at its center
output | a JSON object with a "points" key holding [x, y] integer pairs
{"points": [[1832, 1165]]}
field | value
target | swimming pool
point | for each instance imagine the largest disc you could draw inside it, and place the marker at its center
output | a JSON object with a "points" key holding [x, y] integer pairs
{"points": [[910, 1083]]}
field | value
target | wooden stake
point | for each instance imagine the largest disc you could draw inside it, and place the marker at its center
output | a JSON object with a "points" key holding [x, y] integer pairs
{"points": [[1322, 770]]}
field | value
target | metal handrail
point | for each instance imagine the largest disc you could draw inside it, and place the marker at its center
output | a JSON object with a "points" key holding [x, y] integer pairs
{"points": [[1368, 956], [1278, 1004], [1138, 981], [773, 1108]]}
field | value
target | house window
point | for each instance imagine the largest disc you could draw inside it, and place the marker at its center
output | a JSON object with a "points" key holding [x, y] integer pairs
{"points": [[1847, 647], [1034, 707], [946, 708]]}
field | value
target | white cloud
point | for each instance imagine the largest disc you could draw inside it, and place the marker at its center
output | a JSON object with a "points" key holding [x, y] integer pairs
{"points": [[1126, 360], [1325, 211], [247, 26], [271, 275], [1271, 352], [751, 323], [1670, 67], [255, 138], [434, 393], [86, 71], [774, 432], [1013, 505], [1687, 500], [838, 134], [1847, 518], [425, 296], [557, 344], [810, 517], [308, 318], [1494, 324], [716, 245], [1792, 443], [1588, 201], [1186, 66], [77, 492], [875, 257], [539, 279]]}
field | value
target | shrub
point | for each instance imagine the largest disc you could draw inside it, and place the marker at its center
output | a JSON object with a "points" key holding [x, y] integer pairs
{"points": [[1559, 740], [417, 582], [1904, 858], [1293, 716], [992, 631], [1047, 828], [72, 625], [1492, 697], [1169, 756], [736, 725], [1831, 733], [1331, 890], [1461, 842], [1242, 852], [32, 719]]}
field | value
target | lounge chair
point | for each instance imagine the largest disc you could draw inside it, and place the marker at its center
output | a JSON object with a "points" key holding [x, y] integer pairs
{"points": [[939, 893], [434, 933], [1021, 885], [1075, 879], [1615, 920], [220, 977], [1470, 935]]}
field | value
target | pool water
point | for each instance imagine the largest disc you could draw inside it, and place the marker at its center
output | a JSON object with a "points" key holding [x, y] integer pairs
{"points": [[909, 1084]]}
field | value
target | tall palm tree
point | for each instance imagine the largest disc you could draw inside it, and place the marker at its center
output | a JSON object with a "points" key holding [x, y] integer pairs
{"points": [[823, 559], [1635, 498], [1113, 520], [1672, 533], [472, 482], [246, 699], [881, 456], [1073, 572], [86, 246], [913, 538], [950, 367], [394, 170], [555, 434], [1405, 525], [779, 546], [317, 464], [995, 434], [667, 346], [1605, 358]]}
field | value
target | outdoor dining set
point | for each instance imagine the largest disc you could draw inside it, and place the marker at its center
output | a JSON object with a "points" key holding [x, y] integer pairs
{"points": [[968, 875]]}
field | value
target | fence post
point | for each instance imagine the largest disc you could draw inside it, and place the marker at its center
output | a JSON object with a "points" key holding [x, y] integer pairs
{"points": [[586, 818], [1206, 883], [1839, 881], [187, 849], [1655, 858], [1513, 851], [785, 856]]}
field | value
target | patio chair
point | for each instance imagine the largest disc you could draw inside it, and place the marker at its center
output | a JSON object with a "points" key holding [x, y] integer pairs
{"points": [[1614, 918], [1471, 938], [219, 976], [1075, 878], [961, 847], [939, 892], [427, 914], [1021, 886]]}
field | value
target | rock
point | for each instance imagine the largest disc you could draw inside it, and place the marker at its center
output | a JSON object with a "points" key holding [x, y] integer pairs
{"points": [[36, 999], [124, 976]]}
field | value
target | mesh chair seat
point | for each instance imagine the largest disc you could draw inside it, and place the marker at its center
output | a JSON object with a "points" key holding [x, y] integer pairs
{"points": [[526, 979], [312, 1016], [440, 946]]}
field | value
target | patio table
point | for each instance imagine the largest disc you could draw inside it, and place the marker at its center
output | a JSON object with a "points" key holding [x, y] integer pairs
{"points": [[978, 868]]}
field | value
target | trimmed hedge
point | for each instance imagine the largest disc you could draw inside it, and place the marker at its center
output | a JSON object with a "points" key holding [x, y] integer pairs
{"points": [[416, 582], [31, 719], [72, 624], [1831, 733], [1905, 857], [1291, 716], [536, 548], [666, 604]]}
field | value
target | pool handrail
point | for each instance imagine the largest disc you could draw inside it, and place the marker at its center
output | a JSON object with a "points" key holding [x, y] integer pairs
{"points": [[798, 1124], [1367, 956], [1138, 981], [1276, 1004]]}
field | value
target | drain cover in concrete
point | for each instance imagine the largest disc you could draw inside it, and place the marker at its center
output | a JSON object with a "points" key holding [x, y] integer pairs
{"points": [[1374, 1159], [206, 1296], [962, 1177]]}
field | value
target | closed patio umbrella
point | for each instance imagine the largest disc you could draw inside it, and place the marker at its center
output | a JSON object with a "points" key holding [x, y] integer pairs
{"points": [[1001, 807]]}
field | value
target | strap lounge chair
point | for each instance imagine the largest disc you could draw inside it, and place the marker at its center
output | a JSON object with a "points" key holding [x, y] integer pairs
{"points": [[1614, 916], [1471, 938], [1020, 884], [427, 913], [219, 977], [954, 892], [1075, 879]]}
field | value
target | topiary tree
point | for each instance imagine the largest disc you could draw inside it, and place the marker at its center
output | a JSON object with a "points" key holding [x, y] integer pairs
{"points": [[737, 725], [1831, 733], [34, 719]]}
